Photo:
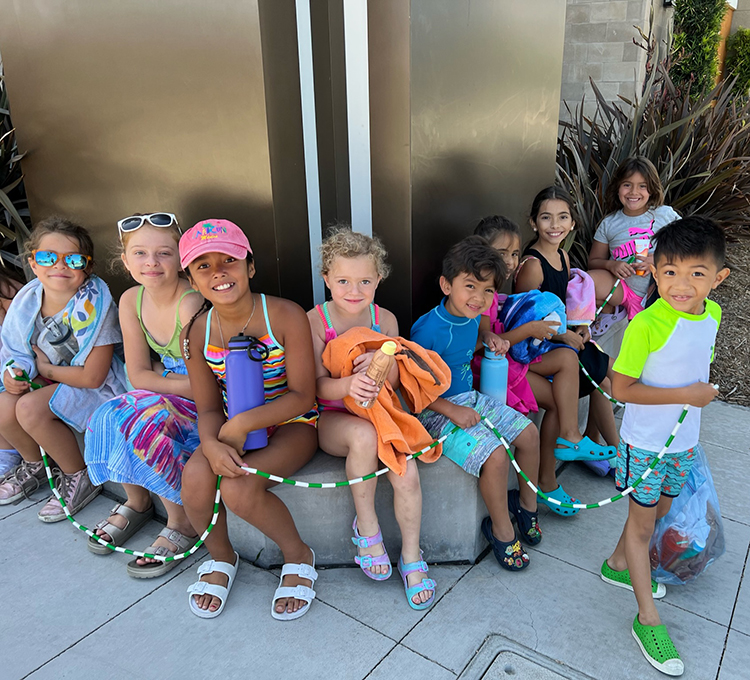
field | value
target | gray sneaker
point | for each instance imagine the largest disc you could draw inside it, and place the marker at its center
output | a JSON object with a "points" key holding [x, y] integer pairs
{"points": [[21, 482], [77, 492]]}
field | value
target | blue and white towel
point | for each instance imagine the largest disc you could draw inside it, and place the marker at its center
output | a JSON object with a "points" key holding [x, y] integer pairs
{"points": [[91, 314]]}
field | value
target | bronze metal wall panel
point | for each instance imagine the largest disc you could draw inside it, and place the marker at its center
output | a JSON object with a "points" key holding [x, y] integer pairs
{"points": [[485, 92], [327, 19], [390, 132], [284, 112], [142, 105]]}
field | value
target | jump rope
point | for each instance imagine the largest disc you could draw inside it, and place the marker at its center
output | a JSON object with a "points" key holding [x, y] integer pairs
{"points": [[350, 482]]}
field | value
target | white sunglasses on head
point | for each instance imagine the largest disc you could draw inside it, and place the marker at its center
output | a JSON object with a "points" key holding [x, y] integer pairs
{"points": [[159, 219]]}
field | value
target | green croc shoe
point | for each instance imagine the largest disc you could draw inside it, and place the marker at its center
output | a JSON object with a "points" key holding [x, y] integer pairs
{"points": [[658, 648], [621, 579]]}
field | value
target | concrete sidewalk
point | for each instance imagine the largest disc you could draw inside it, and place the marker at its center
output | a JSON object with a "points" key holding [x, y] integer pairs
{"points": [[69, 614]]}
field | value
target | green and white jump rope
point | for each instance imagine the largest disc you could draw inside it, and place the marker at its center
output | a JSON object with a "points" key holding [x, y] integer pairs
{"points": [[331, 485]]}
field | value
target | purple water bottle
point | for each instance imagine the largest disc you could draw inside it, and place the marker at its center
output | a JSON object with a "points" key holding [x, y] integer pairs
{"points": [[244, 366]]}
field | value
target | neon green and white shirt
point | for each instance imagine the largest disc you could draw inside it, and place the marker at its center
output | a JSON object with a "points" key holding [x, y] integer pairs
{"points": [[666, 348]]}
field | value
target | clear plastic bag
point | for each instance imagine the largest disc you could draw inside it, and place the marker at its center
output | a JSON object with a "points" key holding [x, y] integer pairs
{"points": [[691, 535]]}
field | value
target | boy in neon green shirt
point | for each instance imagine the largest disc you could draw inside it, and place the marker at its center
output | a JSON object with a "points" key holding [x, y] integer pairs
{"points": [[664, 363]]}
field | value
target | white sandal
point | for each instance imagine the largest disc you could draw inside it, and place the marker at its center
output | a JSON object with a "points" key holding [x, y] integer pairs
{"points": [[297, 592], [205, 588]]}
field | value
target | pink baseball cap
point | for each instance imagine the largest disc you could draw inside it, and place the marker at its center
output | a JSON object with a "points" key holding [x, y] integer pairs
{"points": [[213, 236]]}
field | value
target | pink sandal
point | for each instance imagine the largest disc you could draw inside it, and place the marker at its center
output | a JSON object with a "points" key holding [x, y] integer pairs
{"points": [[367, 561]]}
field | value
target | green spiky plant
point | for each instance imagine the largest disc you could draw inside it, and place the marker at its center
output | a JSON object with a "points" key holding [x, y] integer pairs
{"points": [[696, 41], [738, 59], [700, 146], [14, 210]]}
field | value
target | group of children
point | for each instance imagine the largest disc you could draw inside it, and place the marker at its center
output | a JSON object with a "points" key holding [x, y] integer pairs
{"points": [[162, 427]]}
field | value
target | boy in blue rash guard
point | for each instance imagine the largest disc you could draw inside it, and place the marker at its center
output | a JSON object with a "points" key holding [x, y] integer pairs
{"points": [[664, 363], [472, 272]]}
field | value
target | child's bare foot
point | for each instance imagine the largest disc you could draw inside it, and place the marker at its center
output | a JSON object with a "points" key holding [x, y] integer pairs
{"points": [[217, 578], [123, 522], [291, 604], [186, 531], [415, 578], [374, 550]]}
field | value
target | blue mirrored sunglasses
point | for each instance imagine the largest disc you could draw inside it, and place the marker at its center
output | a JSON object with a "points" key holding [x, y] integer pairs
{"points": [[48, 258]]}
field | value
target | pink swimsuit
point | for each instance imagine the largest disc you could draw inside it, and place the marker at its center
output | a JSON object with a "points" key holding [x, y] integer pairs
{"points": [[338, 404]]}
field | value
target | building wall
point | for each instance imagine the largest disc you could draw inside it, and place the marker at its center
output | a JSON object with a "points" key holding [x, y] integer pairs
{"points": [[195, 108], [741, 18], [599, 45]]}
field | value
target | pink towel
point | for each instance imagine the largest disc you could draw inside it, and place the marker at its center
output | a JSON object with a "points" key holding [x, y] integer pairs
{"points": [[580, 301]]}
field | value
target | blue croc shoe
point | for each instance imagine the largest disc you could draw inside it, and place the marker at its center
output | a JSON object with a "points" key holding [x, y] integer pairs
{"points": [[510, 555], [526, 520], [559, 495], [586, 449]]}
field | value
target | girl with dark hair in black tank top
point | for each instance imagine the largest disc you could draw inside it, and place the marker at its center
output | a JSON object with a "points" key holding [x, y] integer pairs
{"points": [[546, 267]]}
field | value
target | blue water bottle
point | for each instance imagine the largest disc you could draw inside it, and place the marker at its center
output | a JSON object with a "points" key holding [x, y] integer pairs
{"points": [[245, 391], [493, 376]]}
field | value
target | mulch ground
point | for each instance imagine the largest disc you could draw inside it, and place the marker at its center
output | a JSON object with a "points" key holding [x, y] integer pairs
{"points": [[731, 369]]}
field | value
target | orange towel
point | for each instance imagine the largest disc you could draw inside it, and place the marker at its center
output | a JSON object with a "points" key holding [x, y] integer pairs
{"points": [[424, 376]]}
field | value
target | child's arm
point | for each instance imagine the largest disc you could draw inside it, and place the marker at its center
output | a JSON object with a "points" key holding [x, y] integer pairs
{"points": [[389, 327], [358, 385], [91, 375], [463, 416], [540, 330], [531, 277], [630, 390], [293, 332], [224, 459], [137, 353], [12, 386], [599, 259]]}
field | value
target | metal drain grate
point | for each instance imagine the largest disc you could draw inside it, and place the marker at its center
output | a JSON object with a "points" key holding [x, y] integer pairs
{"points": [[502, 659]]}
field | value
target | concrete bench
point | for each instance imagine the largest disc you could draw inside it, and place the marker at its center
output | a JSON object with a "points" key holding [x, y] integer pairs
{"points": [[452, 507], [452, 510]]}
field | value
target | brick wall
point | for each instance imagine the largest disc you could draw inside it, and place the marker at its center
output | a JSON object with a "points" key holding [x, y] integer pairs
{"points": [[599, 45]]}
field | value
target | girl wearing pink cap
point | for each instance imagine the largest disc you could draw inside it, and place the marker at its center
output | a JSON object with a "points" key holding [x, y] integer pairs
{"points": [[217, 257]]}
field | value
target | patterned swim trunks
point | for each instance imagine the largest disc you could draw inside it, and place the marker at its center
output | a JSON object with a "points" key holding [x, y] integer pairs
{"points": [[666, 479]]}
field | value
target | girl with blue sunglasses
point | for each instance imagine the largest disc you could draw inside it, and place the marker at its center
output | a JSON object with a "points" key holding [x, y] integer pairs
{"points": [[60, 336]]}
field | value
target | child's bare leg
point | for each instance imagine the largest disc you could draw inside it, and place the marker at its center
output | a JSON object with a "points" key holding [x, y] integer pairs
{"points": [[407, 506], [617, 560], [48, 431], [250, 498], [638, 531], [562, 365], [346, 435], [603, 282], [602, 416], [548, 432], [198, 493], [527, 455], [493, 485], [13, 432]]}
